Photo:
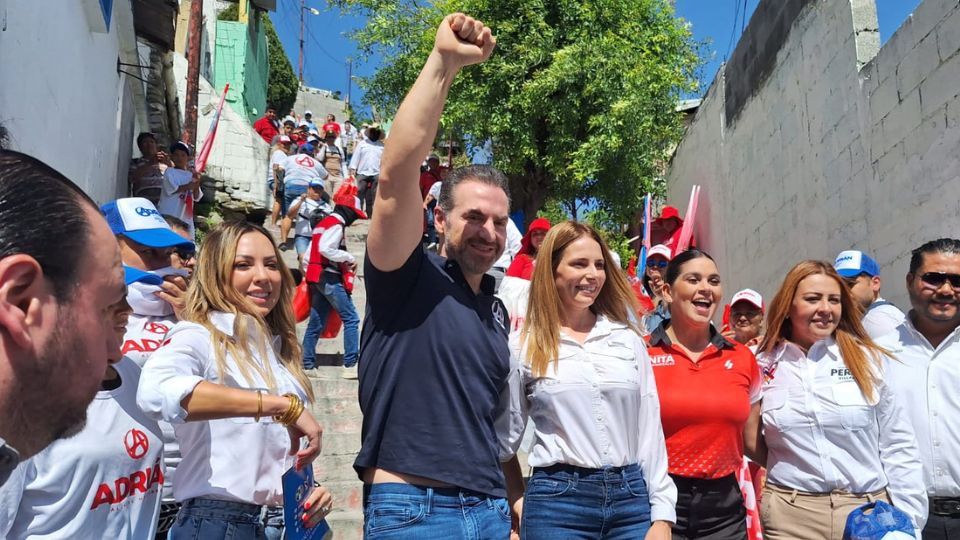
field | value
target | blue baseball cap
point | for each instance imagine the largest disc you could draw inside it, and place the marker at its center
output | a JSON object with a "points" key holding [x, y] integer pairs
{"points": [[306, 149], [133, 275], [139, 220], [316, 184], [852, 263]]}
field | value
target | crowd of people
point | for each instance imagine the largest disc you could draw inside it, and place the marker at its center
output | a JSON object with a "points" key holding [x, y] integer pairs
{"points": [[155, 389]]}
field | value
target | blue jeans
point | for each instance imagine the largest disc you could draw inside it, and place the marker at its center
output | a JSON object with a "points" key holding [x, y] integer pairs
{"points": [[330, 293], [404, 511], [301, 244], [201, 518], [565, 502], [290, 194]]}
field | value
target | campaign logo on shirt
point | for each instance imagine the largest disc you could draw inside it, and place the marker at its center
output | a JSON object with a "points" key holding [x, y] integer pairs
{"points": [[498, 315], [662, 360], [156, 328], [136, 443], [304, 160], [728, 364], [841, 374], [137, 483]]}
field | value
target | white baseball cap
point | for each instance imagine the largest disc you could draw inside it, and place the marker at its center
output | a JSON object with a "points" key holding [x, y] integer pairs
{"points": [[748, 295], [660, 250]]}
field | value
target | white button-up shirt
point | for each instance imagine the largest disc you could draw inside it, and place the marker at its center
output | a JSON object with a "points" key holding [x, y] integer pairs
{"points": [[823, 435], [926, 381], [234, 459], [597, 408]]}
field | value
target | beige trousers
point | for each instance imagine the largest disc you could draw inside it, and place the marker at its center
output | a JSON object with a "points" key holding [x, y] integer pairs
{"points": [[788, 514]]}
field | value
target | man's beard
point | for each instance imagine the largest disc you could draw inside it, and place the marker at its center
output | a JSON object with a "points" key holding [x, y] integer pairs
{"points": [[39, 415], [470, 262]]}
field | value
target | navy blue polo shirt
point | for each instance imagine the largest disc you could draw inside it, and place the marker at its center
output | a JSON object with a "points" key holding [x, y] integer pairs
{"points": [[433, 362]]}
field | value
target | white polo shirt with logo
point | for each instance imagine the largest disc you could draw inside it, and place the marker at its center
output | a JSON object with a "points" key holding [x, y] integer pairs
{"points": [[104, 482]]}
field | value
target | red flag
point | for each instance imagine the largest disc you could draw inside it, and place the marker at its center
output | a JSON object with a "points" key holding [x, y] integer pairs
{"points": [[200, 163]]}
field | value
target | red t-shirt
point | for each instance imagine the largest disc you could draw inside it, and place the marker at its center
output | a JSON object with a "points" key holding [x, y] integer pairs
{"points": [[265, 128], [427, 180], [704, 406], [330, 126]]}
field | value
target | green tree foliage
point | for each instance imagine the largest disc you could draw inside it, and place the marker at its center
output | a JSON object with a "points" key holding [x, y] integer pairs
{"points": [[283, 84], [579, 97]]}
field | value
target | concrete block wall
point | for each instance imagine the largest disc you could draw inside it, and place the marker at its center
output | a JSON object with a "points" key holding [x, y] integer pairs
{"points": [[836, 143], [238, 159]]}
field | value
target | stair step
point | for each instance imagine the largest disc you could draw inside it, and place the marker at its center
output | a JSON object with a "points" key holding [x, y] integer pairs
{"points": [[345, 525], [347, 494], [329, 468], [338, 444]]}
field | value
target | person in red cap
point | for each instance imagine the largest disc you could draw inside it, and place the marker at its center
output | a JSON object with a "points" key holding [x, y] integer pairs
{"points": [[328, 265], [523, 263], [666, 228]]}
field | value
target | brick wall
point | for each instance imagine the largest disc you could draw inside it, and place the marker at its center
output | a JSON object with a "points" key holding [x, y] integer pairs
{"points": [[825, 141]]}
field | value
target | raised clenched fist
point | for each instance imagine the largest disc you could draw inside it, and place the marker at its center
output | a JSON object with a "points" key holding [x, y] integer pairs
{"points": [[463, 40]]}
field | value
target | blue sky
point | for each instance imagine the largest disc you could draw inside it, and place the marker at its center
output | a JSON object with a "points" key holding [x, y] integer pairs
{"points": [[716, 23]]}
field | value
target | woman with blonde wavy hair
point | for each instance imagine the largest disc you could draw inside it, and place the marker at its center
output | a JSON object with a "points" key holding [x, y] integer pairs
{"points": [[583, 376], [230, 380], [836, 437]]}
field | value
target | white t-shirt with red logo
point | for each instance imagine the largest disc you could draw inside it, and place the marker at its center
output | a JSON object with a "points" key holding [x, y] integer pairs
{"points": [[145, 334], [104, 482], [301, 169]]}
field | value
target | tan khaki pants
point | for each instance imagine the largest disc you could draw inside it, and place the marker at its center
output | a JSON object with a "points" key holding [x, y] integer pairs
{"points": [[788, 514]]}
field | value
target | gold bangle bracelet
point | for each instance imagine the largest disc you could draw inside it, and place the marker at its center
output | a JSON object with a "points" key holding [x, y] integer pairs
{"points": [[294, 409], [259, 406]]}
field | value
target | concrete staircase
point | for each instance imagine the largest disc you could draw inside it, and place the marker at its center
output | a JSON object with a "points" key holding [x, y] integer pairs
{"points": [[338, 410]]}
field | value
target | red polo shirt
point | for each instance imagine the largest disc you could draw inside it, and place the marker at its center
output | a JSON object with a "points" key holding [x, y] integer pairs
{"points": [[704, 406]]}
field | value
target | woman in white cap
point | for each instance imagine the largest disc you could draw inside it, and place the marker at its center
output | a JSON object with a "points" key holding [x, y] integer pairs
{"points": [[657, 259]]}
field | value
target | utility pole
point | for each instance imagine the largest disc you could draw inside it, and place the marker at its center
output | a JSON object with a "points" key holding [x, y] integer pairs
{"points": [[303, 6], [349, 78], [194, 44]]}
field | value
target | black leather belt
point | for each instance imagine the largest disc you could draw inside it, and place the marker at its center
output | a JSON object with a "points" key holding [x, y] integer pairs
{"points": [[945, 506]]}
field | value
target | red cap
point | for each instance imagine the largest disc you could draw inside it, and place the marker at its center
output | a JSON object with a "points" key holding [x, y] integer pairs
{"points": [[350, 202], [539, 224], [669, 212]]}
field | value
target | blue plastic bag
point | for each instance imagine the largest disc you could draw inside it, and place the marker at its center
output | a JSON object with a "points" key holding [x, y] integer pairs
{"points": [[878, 521]]}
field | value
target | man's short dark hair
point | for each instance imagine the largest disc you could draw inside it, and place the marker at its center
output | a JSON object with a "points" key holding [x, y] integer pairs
{"points": [[42, 215], [476, 173], [948, 246], [143, 136]]}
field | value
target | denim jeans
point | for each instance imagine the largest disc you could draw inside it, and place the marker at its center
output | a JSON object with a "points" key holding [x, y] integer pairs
{"points": [[291, 192], [203, 519], [330, 292], [301, 244], [565, 502], [404, 511]]}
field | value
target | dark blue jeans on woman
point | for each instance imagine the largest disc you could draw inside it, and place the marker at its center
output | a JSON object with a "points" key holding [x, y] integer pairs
{"points": [[566, 502]]}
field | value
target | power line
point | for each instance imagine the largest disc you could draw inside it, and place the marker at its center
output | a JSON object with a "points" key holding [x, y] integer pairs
{"points": [[324, 51], [733, 29], [743, 16]]}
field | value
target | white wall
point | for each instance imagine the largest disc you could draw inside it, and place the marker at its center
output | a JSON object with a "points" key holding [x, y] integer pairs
{"points": [[61, 98], [835, 149]]}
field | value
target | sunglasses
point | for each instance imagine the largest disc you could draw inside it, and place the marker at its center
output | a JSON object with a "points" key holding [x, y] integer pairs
{"points": [[185, 254], [657, 264], [937, 279]]}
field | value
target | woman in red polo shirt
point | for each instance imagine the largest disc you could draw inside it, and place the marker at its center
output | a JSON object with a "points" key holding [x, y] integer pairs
{"points": [[709, 391]]}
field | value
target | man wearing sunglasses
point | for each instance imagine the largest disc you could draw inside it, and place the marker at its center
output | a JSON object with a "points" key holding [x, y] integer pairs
{"points": [[862, 275], [925, 377]]}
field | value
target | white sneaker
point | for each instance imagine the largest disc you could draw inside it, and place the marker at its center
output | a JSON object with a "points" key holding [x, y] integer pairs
{"points": [[351, 373]]}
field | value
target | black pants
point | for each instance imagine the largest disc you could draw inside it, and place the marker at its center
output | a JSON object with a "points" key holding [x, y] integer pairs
{"points": [[366, 191], [709, 509], [942, 527]]}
